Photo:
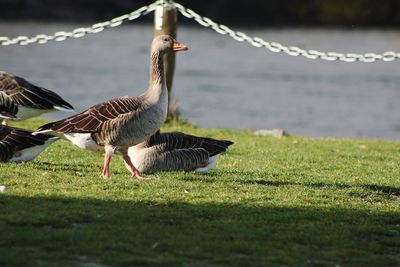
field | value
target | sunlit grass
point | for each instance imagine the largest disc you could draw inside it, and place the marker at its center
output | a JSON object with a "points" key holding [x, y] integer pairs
{"points": [[291, 201]]}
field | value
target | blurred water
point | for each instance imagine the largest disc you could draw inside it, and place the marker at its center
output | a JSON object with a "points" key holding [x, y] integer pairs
{"points": [[223, 83]]}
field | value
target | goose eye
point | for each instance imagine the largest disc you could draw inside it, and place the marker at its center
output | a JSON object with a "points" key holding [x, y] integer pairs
{"points": [[165, 39]]}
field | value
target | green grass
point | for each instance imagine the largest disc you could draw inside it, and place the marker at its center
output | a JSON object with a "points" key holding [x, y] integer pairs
{"points": [[293, 201]]}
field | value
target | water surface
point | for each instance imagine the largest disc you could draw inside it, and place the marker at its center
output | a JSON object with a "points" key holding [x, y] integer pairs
{"points": [[220, 82]]}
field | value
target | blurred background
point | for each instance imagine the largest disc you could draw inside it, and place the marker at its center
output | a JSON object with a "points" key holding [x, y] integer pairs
{"points": [[220, 82], [360, 13]]}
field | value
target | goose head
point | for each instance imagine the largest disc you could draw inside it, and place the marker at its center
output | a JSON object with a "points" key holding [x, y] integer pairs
{"points": [[166, 44]]}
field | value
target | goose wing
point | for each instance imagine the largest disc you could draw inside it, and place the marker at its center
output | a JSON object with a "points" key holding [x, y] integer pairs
{"points": [[177, 140], [26, 94], [8, 109], [94, 118], [186, 159], [176, 151], [14, 139]]}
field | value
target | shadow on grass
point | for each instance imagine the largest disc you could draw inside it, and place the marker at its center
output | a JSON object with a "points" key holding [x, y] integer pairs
{"points": [[200, 177], [55, 164], [51, 166], [284, 183], [389, 190], [56, 231]]}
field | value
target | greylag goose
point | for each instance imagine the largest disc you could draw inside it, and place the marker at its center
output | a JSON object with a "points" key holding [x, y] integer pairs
{"points": [[19, 145], [117, 124], [176, 151], [19, 99]]}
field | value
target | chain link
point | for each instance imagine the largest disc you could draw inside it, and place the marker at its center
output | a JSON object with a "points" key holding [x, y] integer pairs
{"points": [[205, 22], [277, 47], [80, 32]]}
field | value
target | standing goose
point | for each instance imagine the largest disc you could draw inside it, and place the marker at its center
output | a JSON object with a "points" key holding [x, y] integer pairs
{"points": [[19, 145], [20, 99], [117, 124], [177, 151]]}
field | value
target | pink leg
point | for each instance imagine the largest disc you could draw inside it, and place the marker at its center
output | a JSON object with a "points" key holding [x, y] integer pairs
{"points": [[107, 159], [132, 169]]}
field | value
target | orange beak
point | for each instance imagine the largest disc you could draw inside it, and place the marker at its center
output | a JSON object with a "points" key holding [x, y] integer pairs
{"points": [[179, 47]]}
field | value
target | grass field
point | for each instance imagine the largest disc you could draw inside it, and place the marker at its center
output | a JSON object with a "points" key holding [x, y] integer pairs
{"points": [[293, 201]]}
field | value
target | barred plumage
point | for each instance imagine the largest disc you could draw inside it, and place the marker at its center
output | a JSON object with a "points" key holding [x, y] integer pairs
{"points": [[28, 100], [176, 151], [8, 108], [20, 145], [100, 117], [117, 124]]}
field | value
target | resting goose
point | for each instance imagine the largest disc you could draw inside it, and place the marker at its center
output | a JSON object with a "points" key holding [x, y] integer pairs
{"points": [[176, 151], [19, 145], [19, 99], [117, 124]]}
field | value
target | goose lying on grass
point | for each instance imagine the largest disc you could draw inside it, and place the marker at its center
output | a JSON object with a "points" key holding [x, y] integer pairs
{"points": [[19, 145], [117, 124], [19, 99], [176, 151]]}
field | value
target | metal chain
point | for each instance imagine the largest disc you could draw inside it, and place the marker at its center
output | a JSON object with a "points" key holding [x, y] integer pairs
{"points": [[277, 47], [80, 32], [205, 22]]}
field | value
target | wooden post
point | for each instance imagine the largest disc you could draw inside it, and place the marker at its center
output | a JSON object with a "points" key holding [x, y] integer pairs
{"points": [[165, 22]]}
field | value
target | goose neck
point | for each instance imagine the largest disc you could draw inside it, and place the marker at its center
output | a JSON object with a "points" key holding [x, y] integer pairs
{"points": [[156, 69]]}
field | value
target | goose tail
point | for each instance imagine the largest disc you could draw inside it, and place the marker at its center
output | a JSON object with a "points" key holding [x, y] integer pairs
{"points": [[65, 108], [45, 129], [211, 163]]}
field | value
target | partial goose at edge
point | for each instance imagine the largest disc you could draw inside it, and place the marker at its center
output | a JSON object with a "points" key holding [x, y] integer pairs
{"points": [[20, 99], [19, 145]]}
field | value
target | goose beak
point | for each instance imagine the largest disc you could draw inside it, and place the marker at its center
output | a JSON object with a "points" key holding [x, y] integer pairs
{"points": [[176, 46]]}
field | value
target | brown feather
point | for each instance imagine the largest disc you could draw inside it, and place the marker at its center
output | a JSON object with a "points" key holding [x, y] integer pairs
{"points": [[178, 140], [26, 94], [176, 151], [8, 109], [14, 139], [91, 120]]}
